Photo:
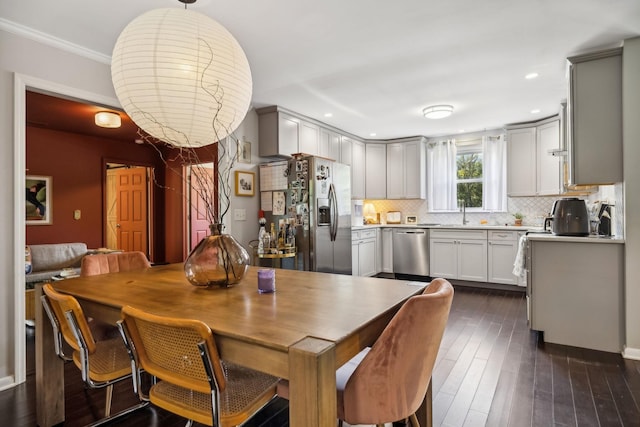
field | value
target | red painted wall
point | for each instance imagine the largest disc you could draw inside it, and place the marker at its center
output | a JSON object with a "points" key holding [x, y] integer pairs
{"points": [[75, 163]]}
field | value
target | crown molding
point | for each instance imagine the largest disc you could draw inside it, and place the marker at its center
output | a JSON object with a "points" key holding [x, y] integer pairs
{"points": [[58, 43]]}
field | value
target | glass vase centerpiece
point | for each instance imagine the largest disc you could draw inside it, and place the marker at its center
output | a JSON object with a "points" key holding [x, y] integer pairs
{"points": [[218, 260]]}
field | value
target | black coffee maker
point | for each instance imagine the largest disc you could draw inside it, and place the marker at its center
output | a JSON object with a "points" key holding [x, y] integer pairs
{"points": [[605, 217]]}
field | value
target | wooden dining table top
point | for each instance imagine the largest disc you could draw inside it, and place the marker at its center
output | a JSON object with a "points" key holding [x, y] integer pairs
{"points": [[305, 304]]}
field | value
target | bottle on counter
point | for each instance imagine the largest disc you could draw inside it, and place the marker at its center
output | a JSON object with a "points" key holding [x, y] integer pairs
{"points": [[261, 236], [273, 237]]}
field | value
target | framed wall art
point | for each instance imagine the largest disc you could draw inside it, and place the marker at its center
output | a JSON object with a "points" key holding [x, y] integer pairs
{"points": [[244, 152], [245, 183], [38, 200]]}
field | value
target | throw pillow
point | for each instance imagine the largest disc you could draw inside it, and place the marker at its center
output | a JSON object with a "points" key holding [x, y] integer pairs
{"points": [[27, 260]]}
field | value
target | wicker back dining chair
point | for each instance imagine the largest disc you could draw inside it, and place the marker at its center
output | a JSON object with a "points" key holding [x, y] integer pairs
{"points": [[389, 381], [101, 363], [191, 379], [113, 262]]}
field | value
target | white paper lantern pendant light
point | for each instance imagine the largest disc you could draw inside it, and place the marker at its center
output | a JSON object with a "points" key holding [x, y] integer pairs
{"points": [[181, 76]]}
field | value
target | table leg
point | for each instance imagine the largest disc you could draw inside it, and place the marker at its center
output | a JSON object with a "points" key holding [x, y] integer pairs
{"points": [[312, 382], [49, 371]]}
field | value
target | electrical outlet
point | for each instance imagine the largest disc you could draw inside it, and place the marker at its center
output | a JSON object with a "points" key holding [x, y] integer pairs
{"points": [[77, 214], [240, 214]]}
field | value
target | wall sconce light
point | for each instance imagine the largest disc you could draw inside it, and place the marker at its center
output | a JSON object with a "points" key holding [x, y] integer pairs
{"points": [[438, 111], [108, 119]]}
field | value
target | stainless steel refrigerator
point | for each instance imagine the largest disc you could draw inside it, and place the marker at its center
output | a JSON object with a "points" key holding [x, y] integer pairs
{"points": [[318, 202]]}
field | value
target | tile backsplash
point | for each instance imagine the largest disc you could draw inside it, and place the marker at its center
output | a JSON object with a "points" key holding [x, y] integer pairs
{"points": [[535, 209]]}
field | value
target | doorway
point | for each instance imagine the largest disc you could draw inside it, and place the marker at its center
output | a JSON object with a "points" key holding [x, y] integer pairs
{"points": [[128, 197]]}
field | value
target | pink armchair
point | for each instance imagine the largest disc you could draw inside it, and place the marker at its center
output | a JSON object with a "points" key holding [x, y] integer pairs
{"points": [[113, 262]]}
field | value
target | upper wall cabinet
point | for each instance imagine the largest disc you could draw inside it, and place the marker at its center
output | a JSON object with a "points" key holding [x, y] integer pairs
{"points": [[406, 170], [309, 138], [376, 171], [278, 133], [594, 113], [532, 167], [357, 170]]}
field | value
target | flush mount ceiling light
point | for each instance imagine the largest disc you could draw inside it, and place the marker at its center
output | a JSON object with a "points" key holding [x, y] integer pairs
{"points": [[108, 119], [181, 76], [438, 111]]}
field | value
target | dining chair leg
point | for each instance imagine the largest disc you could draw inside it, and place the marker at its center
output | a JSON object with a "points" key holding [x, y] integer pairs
{"points": [[340, 423], [413, 420], [107, 403], [189, 423]]}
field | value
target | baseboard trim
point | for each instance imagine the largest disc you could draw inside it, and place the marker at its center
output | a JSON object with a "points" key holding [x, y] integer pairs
{"points": [[7, 382], [631, 353]]}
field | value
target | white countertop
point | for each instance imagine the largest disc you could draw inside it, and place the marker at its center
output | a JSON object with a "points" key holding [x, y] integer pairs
{"points": [[449, 226], [542, 237], [537, 235]]}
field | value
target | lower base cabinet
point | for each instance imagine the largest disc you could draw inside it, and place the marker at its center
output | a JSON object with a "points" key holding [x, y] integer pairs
{"points": [[363, 253], [387, 250], [575, 293], [458, 254], [502, 250]]}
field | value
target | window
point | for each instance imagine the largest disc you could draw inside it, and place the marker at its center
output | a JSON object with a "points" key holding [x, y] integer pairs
{"points": [[473, 171], [469, 176]]}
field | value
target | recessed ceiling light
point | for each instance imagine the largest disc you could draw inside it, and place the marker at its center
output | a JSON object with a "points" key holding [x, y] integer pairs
{"points": [[372, 134], [535, 111], [328, 114], [531, 76], [461, 130], [438, 111]]}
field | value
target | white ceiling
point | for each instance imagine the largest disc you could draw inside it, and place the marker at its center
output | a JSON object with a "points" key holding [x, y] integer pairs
{"points": [[375, 64]]}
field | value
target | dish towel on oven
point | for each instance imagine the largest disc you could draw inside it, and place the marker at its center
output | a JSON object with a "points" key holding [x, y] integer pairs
{"points": [[519, 267]]}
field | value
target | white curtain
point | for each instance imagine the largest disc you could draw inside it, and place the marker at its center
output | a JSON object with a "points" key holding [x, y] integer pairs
{"points": [[441, 167], [494, 173]]}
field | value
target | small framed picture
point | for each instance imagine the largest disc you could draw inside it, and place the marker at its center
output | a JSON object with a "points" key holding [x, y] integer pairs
{"points": [[411, 219], [38, 204], [245, 183], [244, 152]]}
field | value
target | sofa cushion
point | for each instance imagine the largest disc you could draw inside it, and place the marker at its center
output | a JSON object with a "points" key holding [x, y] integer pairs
{"points": [[57, 256]]}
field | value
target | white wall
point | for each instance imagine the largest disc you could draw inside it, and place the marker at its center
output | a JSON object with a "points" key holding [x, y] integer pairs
{"points": [[29, 58], [631, 149]]}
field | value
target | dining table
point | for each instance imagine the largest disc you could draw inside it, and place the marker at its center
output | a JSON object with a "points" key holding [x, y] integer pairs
{"points": [[311, 325]]}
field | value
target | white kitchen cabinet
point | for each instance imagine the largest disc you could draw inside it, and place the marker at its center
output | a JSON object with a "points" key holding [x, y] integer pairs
{"points": [[357, 169], [278, 132], [346, 147], [387, 250], [594, 115], [406, 170], [458, 254], [532, 169], [501, 250], [376, 171], [329, 145], [548, 168], [363, 252], [309, 138]]}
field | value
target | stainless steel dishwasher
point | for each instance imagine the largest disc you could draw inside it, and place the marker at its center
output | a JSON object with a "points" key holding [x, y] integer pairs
{"points": [[411, 251]]}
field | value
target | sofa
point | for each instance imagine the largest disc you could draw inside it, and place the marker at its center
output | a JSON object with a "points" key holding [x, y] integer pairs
{"points": [[49, 260]]}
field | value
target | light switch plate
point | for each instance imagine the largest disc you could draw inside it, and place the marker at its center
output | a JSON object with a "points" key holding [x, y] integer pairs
{"points": [[77, 214], [240, 214]]}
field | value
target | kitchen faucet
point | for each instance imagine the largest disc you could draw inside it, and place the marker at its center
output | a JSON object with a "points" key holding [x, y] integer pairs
{"points": [[463, 209]]}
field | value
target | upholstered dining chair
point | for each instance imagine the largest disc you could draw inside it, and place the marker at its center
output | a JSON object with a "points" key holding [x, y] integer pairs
{"points": [[388, 381], [191, 379], [102, 363], [113, 262]]}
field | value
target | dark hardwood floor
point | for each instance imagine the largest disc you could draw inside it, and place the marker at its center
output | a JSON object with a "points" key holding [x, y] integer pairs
{"points": [[491, 370]]}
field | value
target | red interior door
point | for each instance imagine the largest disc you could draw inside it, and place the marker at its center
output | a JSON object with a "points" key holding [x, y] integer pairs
{"points": [[199, 223]]}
